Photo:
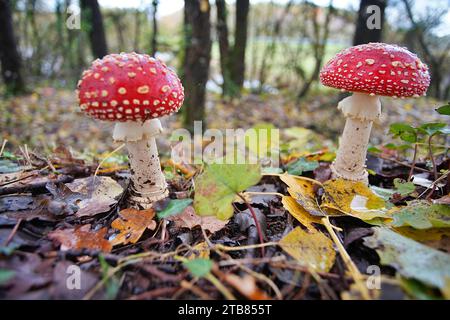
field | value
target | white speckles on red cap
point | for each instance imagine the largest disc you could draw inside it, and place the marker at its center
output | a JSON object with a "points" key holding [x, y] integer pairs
{"points": [[129, 87], [377, 68]]}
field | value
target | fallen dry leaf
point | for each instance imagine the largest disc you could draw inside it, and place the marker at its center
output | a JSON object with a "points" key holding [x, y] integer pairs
{"points": [[311, 249], [101, 192], [302, 190], [189, 219], [353, 198], [299, 213], [131, 224], [247, 286], [81, 238]]}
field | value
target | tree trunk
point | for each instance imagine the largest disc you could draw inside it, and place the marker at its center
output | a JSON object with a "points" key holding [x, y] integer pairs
{"points": [[362, 32], [137, 30], [197, 56], [94, 21], [154, 40], [9, 55], [240, 43], [224, 46]]}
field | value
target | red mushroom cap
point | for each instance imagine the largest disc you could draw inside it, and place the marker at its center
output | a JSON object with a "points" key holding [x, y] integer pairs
{"points": [[129, 87], [379, 69]]}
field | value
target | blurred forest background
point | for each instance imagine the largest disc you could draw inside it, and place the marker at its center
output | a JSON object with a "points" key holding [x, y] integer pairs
{"points": [[243, 63]]}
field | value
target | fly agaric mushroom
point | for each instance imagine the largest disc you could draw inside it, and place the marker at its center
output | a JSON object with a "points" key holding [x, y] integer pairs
{"points": [[134, 90], [369, 71]]}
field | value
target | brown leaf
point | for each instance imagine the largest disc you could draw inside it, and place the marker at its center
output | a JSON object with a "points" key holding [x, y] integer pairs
{"points": [[246, 286], [132, 224], [189, 219], [81, 238]]}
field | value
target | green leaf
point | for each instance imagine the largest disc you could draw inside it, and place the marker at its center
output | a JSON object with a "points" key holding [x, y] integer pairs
{"points": [[8, 250], [7, 166], [199, 267], [6, 275], [411, 259], [374, 150], [403, 131], [433, 128], [297, 167], [445, 110], [418, 290], [112, 285], [174, 207], [218, 185], [422, 215], [403, 188]]}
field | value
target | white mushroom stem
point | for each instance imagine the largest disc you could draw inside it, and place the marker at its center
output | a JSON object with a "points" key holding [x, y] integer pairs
{"points": [[147, 184], [361, 110]]}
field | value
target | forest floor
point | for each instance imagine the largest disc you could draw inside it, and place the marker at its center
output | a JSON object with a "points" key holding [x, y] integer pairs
{"points": [[62, 208]]}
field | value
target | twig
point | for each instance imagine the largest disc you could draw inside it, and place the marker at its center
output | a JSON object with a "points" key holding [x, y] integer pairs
{"points": [[433, 161], [411, 172], [255, 274], [258, 226], [13, 232], [3, 146], [357, 276], [185, 285], [107, 157], [222, 289], [432, 185], [401, 163]]}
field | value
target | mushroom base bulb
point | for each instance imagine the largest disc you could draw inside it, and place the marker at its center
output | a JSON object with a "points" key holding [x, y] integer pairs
{"points": [[361, 110]]}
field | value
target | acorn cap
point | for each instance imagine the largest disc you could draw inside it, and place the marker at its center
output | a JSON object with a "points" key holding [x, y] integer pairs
{"points": [[377, 69], [129, 87]]}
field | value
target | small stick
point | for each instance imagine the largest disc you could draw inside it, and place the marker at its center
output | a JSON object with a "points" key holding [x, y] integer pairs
{"points": [[411, 172], [3, 146], [357, 276], [13, 232], [255, 218]]}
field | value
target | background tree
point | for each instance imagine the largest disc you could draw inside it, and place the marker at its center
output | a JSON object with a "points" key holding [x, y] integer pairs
{"points": [[232, 58], [362, 33], [424, 40], [154, 39], [197, 55], [92, 17], [9, 55]]}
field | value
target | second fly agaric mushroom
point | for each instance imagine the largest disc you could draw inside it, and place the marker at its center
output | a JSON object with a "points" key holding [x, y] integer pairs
{"points": [[134, 90], [369, 71]]}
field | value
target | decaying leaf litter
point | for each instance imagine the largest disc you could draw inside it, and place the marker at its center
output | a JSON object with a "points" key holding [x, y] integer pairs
{"points": [[319, 237]]}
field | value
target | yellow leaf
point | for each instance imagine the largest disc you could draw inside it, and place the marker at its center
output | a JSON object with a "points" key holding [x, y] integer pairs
{"points": [[200, 250], [353, 198], [437, 238], [302, 190], [312, 249], [132, 223], [299, 213]]}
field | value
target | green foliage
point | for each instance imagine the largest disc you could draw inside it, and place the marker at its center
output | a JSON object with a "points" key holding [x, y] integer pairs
{"points": [[403, 188], [445, 110], [431, 129], [403, 131], [6, 275], [410, 258], [219, 184], [300, 165], [174, 207], [112, 285], [199, 267], [422, 215]]}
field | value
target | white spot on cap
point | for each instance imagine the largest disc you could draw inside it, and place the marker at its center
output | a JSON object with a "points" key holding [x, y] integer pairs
{"points": [[143, 89]]}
